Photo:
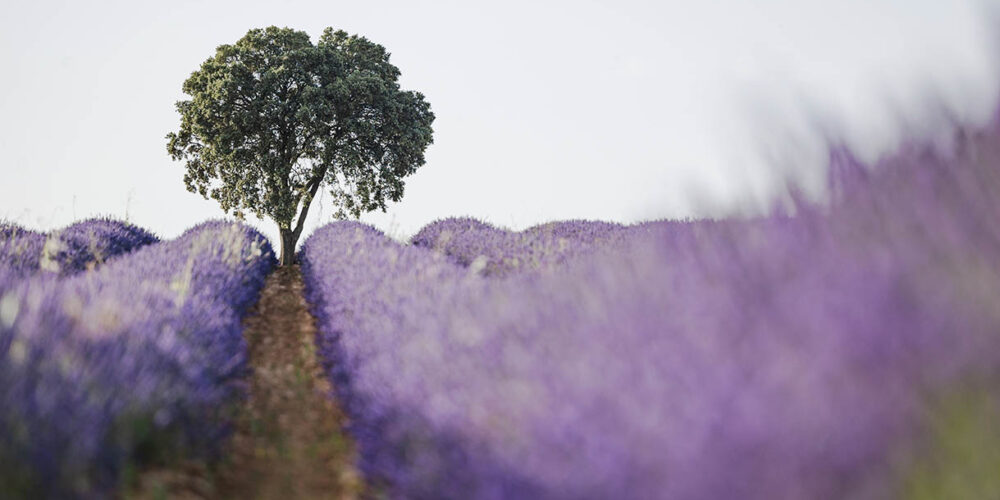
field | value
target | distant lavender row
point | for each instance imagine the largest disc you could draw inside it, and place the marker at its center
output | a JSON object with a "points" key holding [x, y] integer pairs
{"points": [[497, 252], [138, 358], [75, 248], [776, 358]]}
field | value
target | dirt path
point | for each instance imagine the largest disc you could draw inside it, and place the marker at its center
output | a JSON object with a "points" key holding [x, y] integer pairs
{"points": [[288, 441]]}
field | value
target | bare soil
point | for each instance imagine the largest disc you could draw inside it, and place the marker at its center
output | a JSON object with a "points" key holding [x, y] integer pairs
{"points": [[288, 441]]}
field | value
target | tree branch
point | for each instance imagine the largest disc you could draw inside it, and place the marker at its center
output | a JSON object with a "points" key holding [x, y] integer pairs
{"points": [[313, 186]]}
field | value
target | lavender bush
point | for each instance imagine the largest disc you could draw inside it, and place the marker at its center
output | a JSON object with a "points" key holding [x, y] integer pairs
{"points": [[89, 243], [80, 246], [20, 252], [497, 252], [138, 358], [814, 355]]}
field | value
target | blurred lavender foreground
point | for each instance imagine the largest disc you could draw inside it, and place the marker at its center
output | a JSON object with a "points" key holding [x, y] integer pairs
{"points": [[125, 363], [850, 350]]}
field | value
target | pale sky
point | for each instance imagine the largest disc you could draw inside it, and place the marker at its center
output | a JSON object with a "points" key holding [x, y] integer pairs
{"points": [[613, 110]]}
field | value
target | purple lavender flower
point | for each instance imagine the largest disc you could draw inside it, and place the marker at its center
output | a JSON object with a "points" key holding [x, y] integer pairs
{"points": [[497, 252], [142, 354], [78, 247], [776, 357]]}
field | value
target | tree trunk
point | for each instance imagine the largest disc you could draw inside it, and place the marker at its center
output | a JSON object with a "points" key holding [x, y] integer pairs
{"points": [[288, 240]]}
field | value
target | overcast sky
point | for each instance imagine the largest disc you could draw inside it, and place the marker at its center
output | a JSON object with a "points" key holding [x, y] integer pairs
{"points": [[615, 110]]}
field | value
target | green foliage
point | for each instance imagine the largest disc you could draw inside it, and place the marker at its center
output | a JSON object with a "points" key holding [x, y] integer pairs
{"points": [[274, 117], [961, 455]]}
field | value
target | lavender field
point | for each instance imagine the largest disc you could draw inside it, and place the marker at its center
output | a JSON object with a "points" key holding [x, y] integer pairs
{"points": [[639, 250], [846, 349], [839, 349], [118, 350]]}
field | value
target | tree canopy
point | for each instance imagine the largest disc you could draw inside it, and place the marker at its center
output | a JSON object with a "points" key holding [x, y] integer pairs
{"points": [[273, 118]]}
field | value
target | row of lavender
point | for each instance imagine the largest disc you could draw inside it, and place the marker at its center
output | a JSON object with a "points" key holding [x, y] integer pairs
{"points": [[78, 247], [850, 350], [496, 253], [130, 352]]}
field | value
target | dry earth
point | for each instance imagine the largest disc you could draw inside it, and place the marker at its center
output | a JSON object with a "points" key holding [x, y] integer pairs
{"points": [[289, 441]]}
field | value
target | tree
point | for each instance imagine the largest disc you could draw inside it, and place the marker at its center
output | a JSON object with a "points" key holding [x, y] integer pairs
{"points": [[274, 117]]}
